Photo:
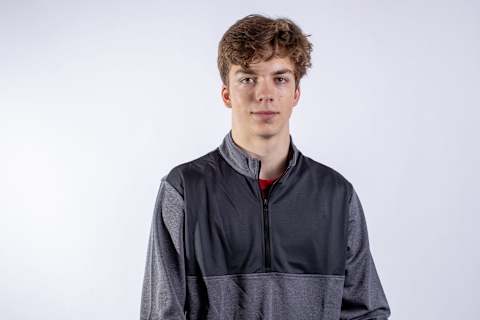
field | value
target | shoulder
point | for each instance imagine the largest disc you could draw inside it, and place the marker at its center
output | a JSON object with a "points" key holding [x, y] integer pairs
{"points": [[327, 175], [197, 167]]}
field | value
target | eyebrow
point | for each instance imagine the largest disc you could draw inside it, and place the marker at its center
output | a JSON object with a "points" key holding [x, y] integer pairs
{"points": [[250, 71]]}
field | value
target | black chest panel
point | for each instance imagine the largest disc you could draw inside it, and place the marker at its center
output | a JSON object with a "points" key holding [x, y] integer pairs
{"points": [[228, 230]]}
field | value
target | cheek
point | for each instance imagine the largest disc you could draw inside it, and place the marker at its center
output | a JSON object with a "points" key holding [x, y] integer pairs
{"points": [[242, 92], [289, 98], [286, 93]]}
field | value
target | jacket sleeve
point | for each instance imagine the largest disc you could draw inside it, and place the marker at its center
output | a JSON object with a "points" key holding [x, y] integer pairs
{"points": [[363, 296], [164, 282]]}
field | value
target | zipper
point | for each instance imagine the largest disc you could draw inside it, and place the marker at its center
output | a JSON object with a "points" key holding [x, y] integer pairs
{"points": [[267, 235], [266, 227]]}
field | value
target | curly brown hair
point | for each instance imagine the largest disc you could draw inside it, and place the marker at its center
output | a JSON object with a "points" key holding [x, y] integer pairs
{"points": [[260, 38]]}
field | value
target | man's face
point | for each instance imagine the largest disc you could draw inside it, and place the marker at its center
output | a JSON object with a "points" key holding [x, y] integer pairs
{"points": [[262, 98]]}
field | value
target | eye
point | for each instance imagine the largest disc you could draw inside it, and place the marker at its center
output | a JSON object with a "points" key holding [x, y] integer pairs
{"points": [[242, 80], [282, 78]]}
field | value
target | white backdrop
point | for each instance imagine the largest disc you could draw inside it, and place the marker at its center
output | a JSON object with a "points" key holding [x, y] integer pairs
{"points": [[100, 99]]}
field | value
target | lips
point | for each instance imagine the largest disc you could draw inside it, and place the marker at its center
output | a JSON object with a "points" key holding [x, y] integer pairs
{"points": [[265, 112], [264, 115]]}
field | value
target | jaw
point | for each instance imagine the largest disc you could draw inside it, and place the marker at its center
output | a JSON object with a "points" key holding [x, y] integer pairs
{"points": [[265, 130]]}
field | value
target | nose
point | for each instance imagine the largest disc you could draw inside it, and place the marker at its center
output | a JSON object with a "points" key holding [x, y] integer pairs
{"points": [[264, 92]]}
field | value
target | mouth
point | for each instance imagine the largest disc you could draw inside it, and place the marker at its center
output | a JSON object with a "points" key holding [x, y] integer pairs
{"points": [[264, 115], [265, 112]]}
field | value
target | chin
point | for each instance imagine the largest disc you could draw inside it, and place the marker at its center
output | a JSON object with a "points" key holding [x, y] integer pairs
{"points": [[266, 132]]}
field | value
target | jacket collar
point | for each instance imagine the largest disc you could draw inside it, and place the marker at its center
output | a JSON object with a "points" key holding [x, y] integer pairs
{"points": [[245, 164]]}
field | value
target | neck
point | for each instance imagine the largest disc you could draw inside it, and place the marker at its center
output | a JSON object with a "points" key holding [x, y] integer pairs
{"points": [[271, 151]]}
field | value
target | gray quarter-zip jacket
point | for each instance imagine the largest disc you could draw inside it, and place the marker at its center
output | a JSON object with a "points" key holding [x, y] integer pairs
{"points": [[218, 251]]}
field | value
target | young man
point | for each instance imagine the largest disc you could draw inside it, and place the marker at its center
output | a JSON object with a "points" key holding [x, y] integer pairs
{"points": [[255, 229]]}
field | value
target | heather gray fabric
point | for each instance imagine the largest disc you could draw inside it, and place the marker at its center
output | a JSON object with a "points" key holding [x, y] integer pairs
{"points": [[164, 283], [170, 292], [245, 164], [363, 296], [270, 295]]}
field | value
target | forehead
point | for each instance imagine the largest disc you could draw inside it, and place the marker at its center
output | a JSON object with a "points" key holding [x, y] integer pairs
{"points": [[273, 66]]}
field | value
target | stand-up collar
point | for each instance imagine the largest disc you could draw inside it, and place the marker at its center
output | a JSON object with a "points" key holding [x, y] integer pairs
{"points": [[245, 164]]}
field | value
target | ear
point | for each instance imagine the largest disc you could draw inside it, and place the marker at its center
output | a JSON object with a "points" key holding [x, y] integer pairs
{"points": [[296, 96], [226, 96]]}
